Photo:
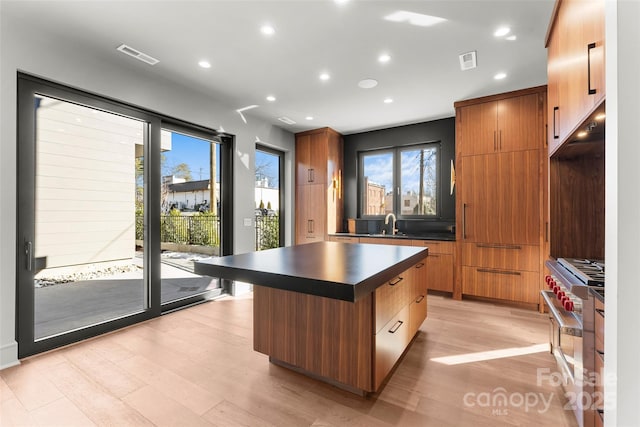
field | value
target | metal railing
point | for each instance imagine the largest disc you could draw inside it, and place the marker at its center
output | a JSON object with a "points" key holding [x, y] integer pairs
{"points": [[199, 229], [267, 232]]}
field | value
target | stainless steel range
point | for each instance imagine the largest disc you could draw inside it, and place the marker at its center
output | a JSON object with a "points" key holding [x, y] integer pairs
{"points": [[571, 333]]}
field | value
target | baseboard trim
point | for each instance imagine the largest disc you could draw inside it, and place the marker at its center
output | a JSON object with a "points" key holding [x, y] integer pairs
{"points": [[9, 355]]}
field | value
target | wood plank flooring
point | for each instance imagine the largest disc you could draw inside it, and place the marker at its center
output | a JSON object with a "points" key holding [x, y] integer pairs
{"points": [[197, 367]]}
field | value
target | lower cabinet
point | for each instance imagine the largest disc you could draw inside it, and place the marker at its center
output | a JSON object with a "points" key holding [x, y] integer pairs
{"points": [[391, 340], [440, 267], [521, 286]]}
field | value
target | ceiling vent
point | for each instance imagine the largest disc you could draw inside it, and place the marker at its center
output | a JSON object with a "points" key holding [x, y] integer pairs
{"points": [[286, 120], [137, 54], [468, 61]]}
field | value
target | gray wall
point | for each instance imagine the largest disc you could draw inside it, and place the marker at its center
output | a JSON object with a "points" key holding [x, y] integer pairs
{"points": [[23, 48], [438, 130]]}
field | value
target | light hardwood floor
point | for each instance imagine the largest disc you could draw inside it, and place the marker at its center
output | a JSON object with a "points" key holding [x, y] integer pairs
{"points": [[197, 367]]}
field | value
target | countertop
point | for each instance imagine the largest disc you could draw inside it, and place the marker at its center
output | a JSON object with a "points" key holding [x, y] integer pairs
{"points": [[429, 236], [337, 270], [598, 293]]}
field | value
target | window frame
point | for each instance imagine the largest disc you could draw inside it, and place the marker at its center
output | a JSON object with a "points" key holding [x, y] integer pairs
{"points": [[396, 163]]}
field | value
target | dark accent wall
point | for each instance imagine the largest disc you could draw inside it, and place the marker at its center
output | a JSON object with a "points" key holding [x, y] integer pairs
{"points": [[438, 130]]}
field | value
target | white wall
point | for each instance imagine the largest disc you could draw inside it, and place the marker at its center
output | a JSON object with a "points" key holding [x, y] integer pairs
{"points": [[23, 48], [622, 253]]}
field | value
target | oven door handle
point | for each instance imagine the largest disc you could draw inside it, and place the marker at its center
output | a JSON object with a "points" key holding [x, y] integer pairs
{"points": [[568, 324]]}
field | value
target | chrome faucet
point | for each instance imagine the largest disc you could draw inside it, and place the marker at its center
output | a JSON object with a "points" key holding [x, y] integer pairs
{"points": [[394, 230]]}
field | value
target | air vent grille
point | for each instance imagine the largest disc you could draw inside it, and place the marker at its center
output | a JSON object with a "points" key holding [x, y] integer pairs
{"points": [[286, 120], [468, 61], [128, 50]]}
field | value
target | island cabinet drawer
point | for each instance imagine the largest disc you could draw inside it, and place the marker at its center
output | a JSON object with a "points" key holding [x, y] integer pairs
{"points": [[344, 239], [390, 343], [417, 313], [521, 286], [509, 257], [391, 297], [436, 246], [439, 272]]}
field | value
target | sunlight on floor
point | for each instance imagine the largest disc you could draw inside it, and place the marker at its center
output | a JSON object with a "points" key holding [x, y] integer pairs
{"points": [[492, 354]]}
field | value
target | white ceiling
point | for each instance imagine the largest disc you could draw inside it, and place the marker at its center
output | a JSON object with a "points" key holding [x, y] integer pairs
{"points": [[423, 77]]}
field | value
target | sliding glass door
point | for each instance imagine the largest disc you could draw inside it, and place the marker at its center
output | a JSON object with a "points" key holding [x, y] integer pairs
{"points": [[103, 237]]}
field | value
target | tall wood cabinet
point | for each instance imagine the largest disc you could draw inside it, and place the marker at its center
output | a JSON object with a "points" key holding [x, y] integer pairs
{"points": [[500, 210], [319, 190], [575, 66]]}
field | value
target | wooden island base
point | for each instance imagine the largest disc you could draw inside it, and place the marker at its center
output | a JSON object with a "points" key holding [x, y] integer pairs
{"points": [[353, 345]]}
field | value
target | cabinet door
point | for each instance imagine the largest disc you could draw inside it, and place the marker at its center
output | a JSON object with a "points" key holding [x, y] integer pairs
{"points": [[478, 129], [522, 286], [303, 159], [390, 343], [553, 101], [520, 123], [500, 198], [479, 194], [439, 272], [593, 27], [317, 173], [310, 214]]}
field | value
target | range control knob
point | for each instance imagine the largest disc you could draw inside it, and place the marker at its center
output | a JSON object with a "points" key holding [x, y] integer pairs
{"points": [[556, 289], [568, 305], [547, 278], [551, 283], [560, 295]]}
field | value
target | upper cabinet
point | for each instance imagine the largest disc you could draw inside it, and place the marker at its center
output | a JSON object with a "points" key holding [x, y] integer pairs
{"points": [[510, 124], [319, 190], [575, 66]]}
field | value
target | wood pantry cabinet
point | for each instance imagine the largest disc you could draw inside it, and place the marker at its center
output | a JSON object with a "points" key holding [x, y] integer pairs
{"points": [[500, 207], [319, 190], [575, 66]]}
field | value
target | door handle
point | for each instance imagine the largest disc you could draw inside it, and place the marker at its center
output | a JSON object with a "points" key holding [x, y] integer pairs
{"points": [[495, 141], [590, 90], [28, 253]]}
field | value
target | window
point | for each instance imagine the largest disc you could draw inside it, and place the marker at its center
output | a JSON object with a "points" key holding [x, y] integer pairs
{"points": [[402, 181]]}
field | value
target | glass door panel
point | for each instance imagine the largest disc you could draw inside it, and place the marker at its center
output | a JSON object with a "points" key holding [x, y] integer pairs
{"points": [[190, 215], [88, 264], [268, 198]]}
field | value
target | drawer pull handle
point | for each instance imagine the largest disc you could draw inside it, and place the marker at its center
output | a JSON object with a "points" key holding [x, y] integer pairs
{"points": [[419, 299], [600, 312], [498, 246], [488, 270], [395, 327], [400, 279], [434, 255], [420, 265]]}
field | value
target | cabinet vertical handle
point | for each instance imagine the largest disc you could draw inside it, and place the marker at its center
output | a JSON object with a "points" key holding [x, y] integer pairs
{"points": [[556, 135], [591, 90], [309, 226], [500, 139], [464, 221], [310, 175], [495, 141]]}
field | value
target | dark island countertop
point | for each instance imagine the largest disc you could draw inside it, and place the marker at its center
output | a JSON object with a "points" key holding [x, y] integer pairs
{"points": [[344, 271]]}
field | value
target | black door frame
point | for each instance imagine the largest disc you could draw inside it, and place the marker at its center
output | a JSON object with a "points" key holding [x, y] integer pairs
{"points": [[28, 87], [281, 193]]}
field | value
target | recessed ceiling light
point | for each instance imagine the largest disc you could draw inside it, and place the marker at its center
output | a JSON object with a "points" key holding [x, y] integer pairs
{"points": [[388, 101], [502, 31], [325, 76], [204, 64], [367, 83], [267, 30], [500, 76], [271, 98], [340, 1], [600, 116], [511, 37], [581, 134], [384, 58], [309, 118], [413, 18]]}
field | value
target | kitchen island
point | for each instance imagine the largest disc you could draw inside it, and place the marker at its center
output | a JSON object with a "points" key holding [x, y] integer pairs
{"points": [[343, 313]]}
